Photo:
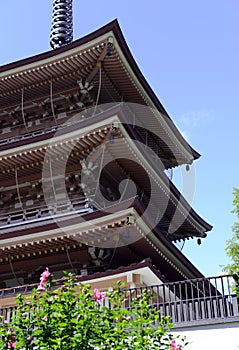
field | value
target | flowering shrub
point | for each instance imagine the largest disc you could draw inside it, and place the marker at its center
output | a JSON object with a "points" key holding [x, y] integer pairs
{"points": [[73, 317]]}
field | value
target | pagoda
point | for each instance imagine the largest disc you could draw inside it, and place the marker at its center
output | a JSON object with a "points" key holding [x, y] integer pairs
{"points": [[84, 148]]}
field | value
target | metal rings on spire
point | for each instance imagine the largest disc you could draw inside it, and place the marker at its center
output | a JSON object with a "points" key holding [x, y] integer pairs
{"points": [[62, 23]]}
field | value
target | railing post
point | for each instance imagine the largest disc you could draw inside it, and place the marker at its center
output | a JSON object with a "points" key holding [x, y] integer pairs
{"points": [[236, 279]]}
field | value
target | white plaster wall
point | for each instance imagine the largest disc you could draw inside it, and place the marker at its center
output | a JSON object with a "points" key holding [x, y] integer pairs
{"points": [[213, 337]]}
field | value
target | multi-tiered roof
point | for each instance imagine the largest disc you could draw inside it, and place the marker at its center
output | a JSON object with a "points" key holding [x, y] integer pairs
{"points": [[77, 122]]}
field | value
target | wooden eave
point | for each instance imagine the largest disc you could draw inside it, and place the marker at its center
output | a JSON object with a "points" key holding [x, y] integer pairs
{"points": [[28, 239], [29, 159], [36, 142], [100, 280], [121, 76]]}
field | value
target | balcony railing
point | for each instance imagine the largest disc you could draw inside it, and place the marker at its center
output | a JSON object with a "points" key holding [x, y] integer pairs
{"points": [[43, 212], [203, 299], [206, 299]]}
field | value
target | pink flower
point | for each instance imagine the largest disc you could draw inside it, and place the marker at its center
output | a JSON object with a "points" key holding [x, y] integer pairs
{"points": [[175, 346], [98, 296], [10, 337], [43, 279], [44, 319], [41, 287], [45, 275]]}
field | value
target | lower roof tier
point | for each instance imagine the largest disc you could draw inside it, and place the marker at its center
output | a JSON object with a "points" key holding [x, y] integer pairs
{"points": [[97, 241]]}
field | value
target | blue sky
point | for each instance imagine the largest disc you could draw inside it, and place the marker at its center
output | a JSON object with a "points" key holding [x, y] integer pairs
{"points": [[189, 53]]}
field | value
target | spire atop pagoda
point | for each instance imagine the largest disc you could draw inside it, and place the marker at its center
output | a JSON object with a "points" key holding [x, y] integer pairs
{"points": [[62, 23]]}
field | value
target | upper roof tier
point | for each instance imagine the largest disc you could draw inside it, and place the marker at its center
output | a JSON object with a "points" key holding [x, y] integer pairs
{"points": [[118, 79]]}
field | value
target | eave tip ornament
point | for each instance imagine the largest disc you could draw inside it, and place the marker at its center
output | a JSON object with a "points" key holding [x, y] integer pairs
{"points": [[62, 23]]}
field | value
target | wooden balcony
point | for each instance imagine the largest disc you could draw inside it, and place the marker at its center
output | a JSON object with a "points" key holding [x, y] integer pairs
{"points": [[42, 212], [190, 302]]}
